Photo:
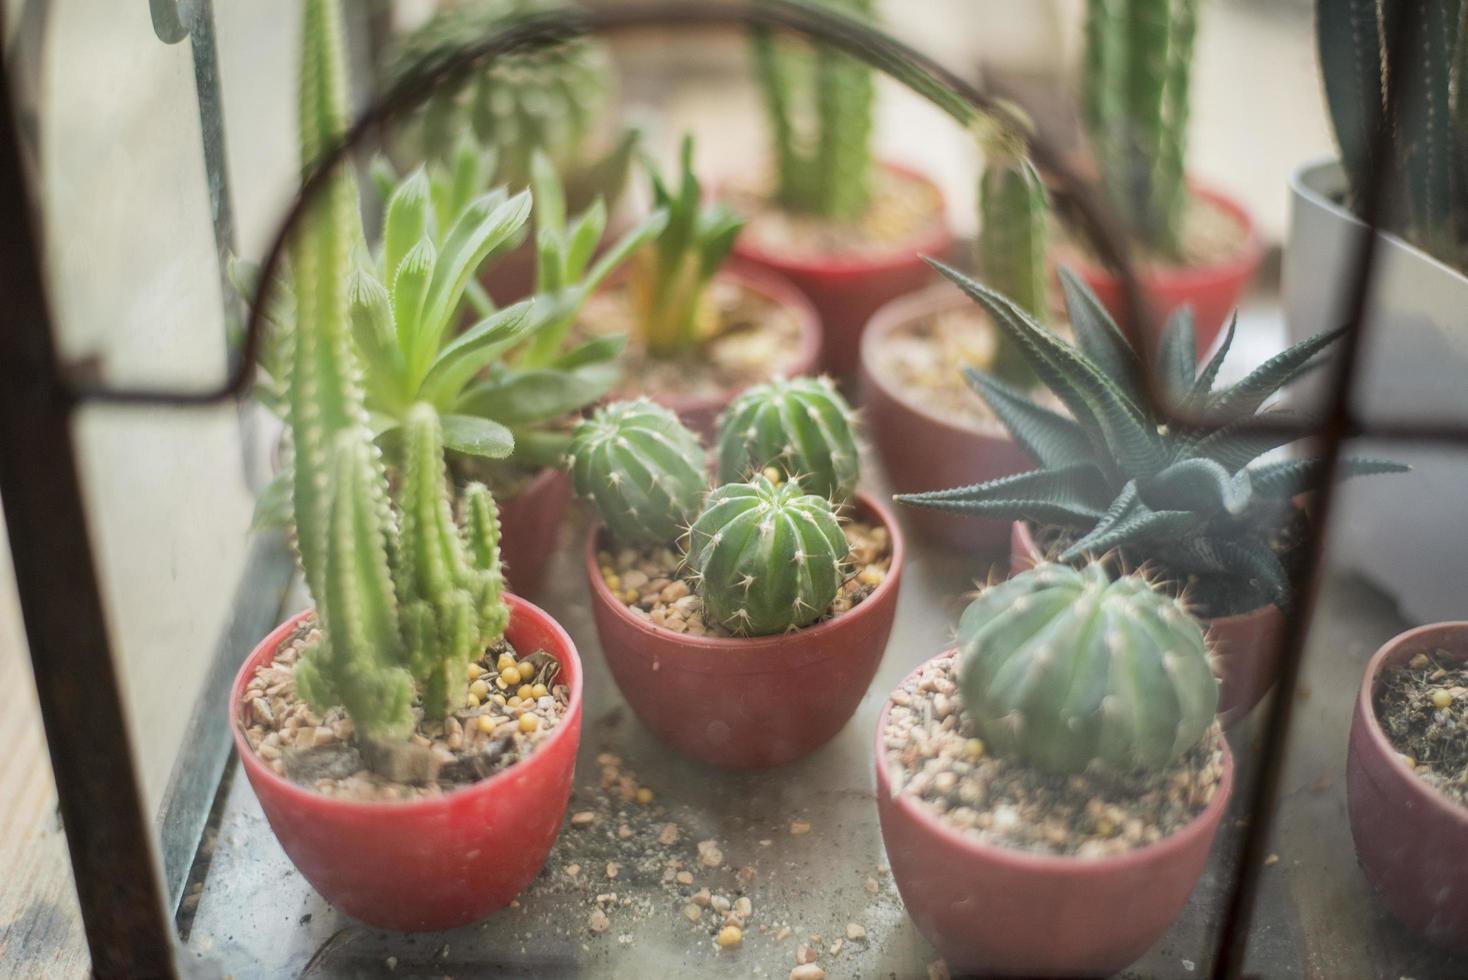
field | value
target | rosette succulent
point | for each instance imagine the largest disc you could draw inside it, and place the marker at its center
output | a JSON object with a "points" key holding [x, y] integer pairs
{"points": [[802, 427]]}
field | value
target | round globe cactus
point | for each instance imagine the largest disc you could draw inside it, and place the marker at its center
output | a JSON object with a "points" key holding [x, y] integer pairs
{"points": [[1065, 669], [767, 557], [641, 469], [802, 427]]}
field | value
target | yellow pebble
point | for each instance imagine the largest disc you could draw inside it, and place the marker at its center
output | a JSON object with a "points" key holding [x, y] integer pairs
{"points": [[475, 670], [486, 724], [1409, 762], [510, 674], [644, 795], [730, 936], [499, 699], [974, 748], [479, 689], [614, 582], [1105, 827], [630, 596], [516, 701], [773, 474], [527, 671], [870, 576], [607, 571], [525, 692], [472, 699], [505, 660], [539, 691], [1441, 698], [529, 723]]}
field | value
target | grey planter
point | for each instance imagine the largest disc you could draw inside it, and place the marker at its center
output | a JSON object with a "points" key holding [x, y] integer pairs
{"points": [[1409, 533]]}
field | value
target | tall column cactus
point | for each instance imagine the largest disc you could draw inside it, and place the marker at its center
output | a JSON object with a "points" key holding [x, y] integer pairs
{"points": [[1134, 102], [824, 167]]}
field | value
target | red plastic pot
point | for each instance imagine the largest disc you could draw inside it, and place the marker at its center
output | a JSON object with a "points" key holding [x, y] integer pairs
{"points": [[923, 450], [530, 524], [700, 412], [994, 910], [1245, 646], [1412, 840], [1213, 291], [427, 864], [726, 700], [848, 289]]}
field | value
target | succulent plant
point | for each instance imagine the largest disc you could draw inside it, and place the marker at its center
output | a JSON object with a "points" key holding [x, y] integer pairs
{"points": [[1134, 86], [820, 103], [1068, 670], [1115, 475], [641, 469], [403, 600], [802, 427], [670, 276], [767, 557], [1423, 102]]}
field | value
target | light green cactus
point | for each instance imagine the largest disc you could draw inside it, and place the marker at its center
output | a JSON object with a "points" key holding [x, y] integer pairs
{"points": [[1067, 671], [802, 427], [766, 557], [1014, 215], [641, 469], [401, 599]]}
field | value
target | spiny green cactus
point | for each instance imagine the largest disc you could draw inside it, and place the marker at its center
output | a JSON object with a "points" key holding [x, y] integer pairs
{"points": [[670, 277], [802, 427], [1134, 102], [825, 166], [766, 557], [1114, 472], [1067, 671], [397, 598], [641, 469], [1013, 222]]}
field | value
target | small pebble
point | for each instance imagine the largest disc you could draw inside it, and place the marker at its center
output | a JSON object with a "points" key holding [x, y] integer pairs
{"points": [[599, 922], [584, 818], [804, 954], [807, 971], [668, 835], [854, 931], [730, 936], [799, 827]]}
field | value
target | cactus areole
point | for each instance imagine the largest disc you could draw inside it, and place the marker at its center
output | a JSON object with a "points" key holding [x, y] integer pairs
{"points": [[1067, 670]]}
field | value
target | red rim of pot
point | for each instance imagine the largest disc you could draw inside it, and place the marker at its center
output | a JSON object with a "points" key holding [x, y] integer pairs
{"points": [[419, 873], [924, 450], [856, 640], [1193, 839], [1409, 836]]}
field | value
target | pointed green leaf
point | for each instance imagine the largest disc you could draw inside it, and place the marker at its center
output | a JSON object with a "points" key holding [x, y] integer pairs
{"points": [[473, 350], [1245, 397], [475, 436], [550, 199], [517, 397], [1053, 440], [1234, 446], [1203, 386], [1289, 477], [1135, 529], [1198, 485], [1100, 337], [1066, 496], [273, 504], [410, 285], [406, 220], [584, 236], [1177, 358], [598, 350]]}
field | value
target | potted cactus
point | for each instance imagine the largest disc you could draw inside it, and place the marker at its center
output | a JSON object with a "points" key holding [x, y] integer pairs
{"points": [[929, 427], [1038, 825], [1192, 245], [1406, 776], [701, 329], [1115, 479], [389, 773], [713, 605], [1414, 353], [844, 229]]}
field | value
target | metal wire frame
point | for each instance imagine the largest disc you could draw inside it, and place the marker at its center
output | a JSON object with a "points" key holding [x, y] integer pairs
{"points": [[963, 101]]}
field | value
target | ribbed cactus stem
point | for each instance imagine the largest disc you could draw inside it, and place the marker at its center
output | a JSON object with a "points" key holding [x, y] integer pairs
{"points": [[767, 557], [1068, 671], [1013, 222], [802, 427]]}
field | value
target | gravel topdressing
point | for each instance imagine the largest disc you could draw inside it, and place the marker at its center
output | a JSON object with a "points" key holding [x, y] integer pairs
{"points": [[1423, 709]]}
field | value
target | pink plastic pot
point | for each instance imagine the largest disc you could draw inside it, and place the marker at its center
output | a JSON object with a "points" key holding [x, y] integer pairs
{"points": [[427, 864], [530, 525], [727, 701], [1245, 647], [996, 911], [1213, 291], [923, 450], [848, 289], [1412, 841], [700, 412]]}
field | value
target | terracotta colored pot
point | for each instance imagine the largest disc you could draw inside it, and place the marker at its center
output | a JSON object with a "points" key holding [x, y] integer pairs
{"points": [[726, 700], [436, 863], [994, 910], [530, 524], [1412, 840], [848, 289], [1246, 646], [1213, 291], [700, 412], [924, 450]]}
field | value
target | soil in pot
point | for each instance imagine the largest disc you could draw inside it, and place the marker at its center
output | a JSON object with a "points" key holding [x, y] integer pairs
{"points": [[1422, 706], [936, 758], [501, 723], [656, 584]]}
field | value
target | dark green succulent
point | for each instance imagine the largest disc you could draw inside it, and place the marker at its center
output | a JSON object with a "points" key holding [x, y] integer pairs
{"points": [[1114, 476]]}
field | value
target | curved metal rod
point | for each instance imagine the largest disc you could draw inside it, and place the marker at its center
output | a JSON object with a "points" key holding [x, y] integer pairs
{"points": [[961, 100]]}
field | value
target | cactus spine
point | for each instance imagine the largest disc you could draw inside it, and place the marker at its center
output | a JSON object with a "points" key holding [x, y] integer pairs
{"points": [[767, 557], [397, 598], [802, 427], [1066, 670], [641, 469]]}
